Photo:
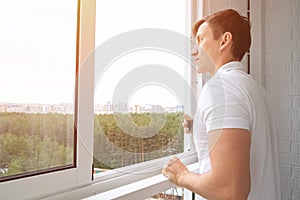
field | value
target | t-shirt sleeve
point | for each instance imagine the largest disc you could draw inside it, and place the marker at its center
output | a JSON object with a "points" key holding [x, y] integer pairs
{"points": [[222, 107]]}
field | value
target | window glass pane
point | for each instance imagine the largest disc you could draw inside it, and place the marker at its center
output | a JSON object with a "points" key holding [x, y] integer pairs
{"points": [[137, 105], [37, 82]]}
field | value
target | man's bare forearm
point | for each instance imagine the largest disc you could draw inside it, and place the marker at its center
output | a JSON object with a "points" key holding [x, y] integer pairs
{"points": [[211, 187]]}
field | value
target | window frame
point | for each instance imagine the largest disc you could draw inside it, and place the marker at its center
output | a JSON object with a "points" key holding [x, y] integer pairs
{"points": [[120, 176], [78, 182], [56, 168], [44, 184]]}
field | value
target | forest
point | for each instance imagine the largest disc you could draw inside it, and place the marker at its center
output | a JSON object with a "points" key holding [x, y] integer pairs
{"points": [[135, 139], [31, 142]]}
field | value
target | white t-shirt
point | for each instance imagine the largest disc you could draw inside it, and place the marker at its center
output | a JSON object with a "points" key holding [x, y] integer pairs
{"points": [[232, 99]]}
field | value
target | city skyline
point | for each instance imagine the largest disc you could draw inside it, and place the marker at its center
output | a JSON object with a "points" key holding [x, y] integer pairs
{"points": [[68, 108]]}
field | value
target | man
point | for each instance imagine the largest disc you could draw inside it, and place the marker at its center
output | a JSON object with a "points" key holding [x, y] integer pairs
{"points": [[232, 130]]}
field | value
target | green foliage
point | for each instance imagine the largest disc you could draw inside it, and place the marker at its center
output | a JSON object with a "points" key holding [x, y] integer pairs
{"points": [[155, 135], [30, 142]]}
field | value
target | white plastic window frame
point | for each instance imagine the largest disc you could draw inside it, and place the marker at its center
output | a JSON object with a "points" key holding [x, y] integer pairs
{"points": [[48, 184], [129, 174], [77, 183]]}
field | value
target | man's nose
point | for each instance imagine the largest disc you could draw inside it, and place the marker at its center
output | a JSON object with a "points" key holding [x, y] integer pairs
{"points": [[195, 51]]}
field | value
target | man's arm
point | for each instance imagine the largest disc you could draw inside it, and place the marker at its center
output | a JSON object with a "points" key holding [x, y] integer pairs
{"points": [[229, 177]]}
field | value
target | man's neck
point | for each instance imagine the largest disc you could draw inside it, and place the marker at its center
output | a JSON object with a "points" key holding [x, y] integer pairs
{"points": [[221, 63]]}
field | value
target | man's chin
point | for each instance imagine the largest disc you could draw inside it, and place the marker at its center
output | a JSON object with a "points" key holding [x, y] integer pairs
{"points": [[201, 70]]}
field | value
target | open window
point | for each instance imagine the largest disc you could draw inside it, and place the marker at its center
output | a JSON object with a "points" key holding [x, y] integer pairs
{"points": [[59, 93], [140, 81]]}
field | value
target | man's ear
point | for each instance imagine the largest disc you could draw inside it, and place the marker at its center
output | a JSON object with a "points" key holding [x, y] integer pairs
{"points": [[226, 40]]}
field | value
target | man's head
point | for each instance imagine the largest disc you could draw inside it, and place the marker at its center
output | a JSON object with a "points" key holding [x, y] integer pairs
{"points": [[228, 32]]}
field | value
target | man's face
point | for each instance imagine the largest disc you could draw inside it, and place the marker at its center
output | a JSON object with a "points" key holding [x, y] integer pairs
{"points": [[206, 49]]}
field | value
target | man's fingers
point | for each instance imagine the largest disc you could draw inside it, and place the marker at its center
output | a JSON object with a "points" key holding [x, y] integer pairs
{"points": [[185, 125], [173, 169], [186, 130], [187, 117], [172, 161], [164, 171]]}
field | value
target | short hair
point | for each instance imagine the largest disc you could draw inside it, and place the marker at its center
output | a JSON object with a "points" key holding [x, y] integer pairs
{"points": [[229, 21]]}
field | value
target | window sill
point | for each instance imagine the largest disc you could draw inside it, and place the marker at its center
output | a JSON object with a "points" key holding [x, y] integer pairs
{"points": [[143, 179], [131, 174], [140, 189]]}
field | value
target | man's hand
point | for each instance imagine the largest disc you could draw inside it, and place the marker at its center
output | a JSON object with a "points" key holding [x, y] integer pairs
{"points": [[174, 170], [187, 124]]}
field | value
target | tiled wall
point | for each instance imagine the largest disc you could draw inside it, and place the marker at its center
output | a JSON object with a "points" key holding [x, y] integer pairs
{"points": [[281, 75], [211, 6]]}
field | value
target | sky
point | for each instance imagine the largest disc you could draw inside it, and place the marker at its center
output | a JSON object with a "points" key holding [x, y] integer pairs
{"points": [[112, 20], [38, 41], [37, 51]]}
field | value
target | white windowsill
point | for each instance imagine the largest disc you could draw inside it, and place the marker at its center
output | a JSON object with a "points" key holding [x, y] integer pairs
{"points": [[140, 189], [148, 175]]}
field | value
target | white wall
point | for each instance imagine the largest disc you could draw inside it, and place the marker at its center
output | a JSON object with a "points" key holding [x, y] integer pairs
{"points": [[281, 77]]}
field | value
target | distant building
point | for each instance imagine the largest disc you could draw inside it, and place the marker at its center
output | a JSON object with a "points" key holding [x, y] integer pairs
{"points": [[68, 108], [121, 108], [13, 107], [108, 108], [45, 108], [63, 108], [98, 108], [147, 108], [137, 109], [32, 108], [3, 107], [58, 109], [157, 109], [179, 108]]}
